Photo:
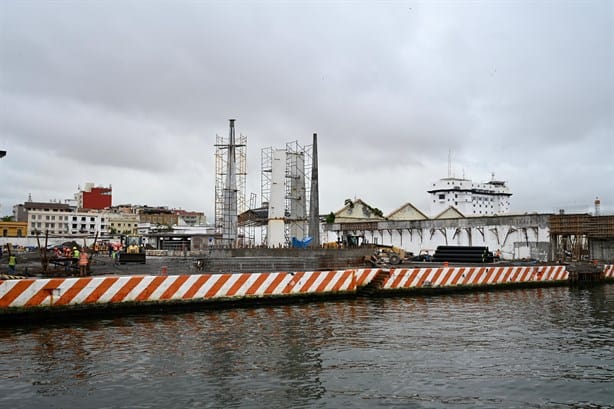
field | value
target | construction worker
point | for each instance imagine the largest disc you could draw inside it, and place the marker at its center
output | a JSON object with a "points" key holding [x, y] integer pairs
{"points": [[83, 261], [75, 252], [12, 263]]}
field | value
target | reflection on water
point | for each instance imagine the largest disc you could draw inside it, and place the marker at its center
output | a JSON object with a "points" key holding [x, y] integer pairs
{"points": [[524, 348]]}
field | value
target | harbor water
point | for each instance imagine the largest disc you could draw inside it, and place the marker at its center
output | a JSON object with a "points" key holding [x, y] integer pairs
{"points": [[527, 348]]}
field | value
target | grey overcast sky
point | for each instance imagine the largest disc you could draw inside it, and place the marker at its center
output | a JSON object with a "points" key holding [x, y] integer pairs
{"points": [[132, 94]]}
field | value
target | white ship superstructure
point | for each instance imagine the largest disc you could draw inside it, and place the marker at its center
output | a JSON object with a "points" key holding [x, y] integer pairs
{"points": [[471, 199]]}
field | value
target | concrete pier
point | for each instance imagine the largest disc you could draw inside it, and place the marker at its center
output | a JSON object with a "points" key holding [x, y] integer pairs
{"points": [[51, 295]]}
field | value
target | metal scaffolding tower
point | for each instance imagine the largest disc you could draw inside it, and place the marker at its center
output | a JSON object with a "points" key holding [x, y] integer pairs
{"points": [[298, 164], [250, 228], [296, 194], [230, 176], [266, 166]]}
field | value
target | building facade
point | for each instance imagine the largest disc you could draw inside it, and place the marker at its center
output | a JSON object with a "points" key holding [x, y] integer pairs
{"points": [[158, 216], [471, 199], [20, 211], [515, 236], [44, 221], [186, 218], [122, 223], [13, 229], [94, 197]]}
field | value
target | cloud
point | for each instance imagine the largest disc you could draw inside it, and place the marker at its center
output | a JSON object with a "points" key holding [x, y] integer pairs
{"points": [[132, 94]]}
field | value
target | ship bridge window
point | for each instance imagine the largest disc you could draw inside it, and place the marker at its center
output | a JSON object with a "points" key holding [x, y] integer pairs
{"points": [[442, 197]]}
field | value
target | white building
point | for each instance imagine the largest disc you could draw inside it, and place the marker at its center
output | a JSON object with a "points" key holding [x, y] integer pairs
{"points": [[66, 223], [47, 220], [471, 199]]}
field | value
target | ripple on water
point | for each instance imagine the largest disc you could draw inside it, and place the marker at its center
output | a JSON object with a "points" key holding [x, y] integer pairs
{"points": [[538, 348]]}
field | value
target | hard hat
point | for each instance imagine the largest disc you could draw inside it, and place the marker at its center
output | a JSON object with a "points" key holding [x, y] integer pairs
{"points": [[74, 248]]}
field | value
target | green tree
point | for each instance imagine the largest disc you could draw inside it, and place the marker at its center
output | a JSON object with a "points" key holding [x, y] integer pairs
{"points": [[330, 218]]}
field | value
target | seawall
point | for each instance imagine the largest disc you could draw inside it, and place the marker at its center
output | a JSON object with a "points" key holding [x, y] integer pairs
{"points": [[52, 295]]}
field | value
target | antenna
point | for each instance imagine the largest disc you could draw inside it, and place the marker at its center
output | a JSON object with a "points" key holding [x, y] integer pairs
{"points": [[449, 162]]}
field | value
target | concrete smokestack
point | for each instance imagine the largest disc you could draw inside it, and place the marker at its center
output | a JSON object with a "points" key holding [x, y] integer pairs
{"points": [[230, 215], [314, 200]]}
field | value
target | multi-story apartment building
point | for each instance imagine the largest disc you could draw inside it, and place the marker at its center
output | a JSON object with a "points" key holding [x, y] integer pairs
{"points": [[20, 211], [43, 221], [89, 223], [40, 217]]}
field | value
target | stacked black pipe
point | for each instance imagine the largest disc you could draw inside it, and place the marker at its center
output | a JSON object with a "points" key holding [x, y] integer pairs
{"points": [[463, 254]]}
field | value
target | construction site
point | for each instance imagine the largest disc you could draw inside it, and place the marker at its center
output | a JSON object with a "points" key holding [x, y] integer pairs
{"points": [[581, 237], [288, 212], [284, 230]]}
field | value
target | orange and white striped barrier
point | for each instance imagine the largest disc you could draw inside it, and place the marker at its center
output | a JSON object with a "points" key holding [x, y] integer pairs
{"points": [[55, 292], [365, 275], [84, 291], [471, 276]]}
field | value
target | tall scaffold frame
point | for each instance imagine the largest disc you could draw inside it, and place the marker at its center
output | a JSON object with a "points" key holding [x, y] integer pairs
{"points": [[298, 173], [222, 145], [297, 191]]}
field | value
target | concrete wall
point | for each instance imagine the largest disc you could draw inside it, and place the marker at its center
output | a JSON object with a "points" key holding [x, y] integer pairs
{"points": [[25, 295], [602, 249], [99, 291], [521, 236]]}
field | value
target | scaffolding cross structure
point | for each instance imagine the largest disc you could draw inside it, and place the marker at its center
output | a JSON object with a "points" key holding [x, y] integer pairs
{"points": [[230, 179]]}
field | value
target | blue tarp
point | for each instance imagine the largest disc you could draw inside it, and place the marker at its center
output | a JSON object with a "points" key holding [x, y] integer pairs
{"points": [[301, 244]]}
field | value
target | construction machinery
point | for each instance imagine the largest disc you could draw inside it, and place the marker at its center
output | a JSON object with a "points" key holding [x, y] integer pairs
{"points": [[424, 255], [385, 254], [133, 250]]}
